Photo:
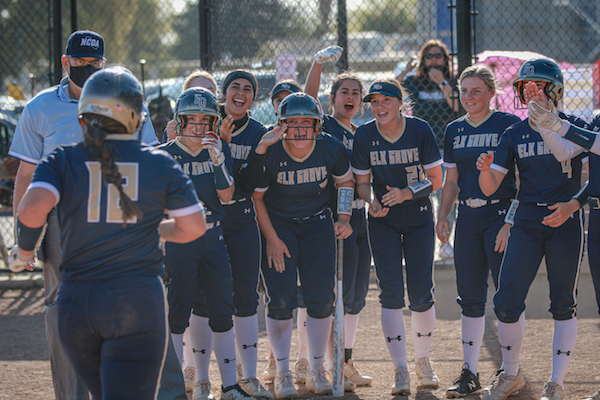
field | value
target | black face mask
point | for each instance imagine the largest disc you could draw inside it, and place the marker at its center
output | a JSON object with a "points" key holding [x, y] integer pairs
{"points": [[80, 74]]}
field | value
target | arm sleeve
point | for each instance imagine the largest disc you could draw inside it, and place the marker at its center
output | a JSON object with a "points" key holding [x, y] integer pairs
{"points": [[563, 150]]}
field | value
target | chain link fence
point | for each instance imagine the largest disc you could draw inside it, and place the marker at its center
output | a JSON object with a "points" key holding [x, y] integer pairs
{"points": [[163, 41]]}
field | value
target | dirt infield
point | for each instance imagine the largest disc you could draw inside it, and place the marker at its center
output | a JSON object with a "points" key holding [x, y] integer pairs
{"points": [[25, 369]]}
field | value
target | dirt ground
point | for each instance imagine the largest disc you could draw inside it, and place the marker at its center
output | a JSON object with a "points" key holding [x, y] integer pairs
{"points": [[25, 369]]}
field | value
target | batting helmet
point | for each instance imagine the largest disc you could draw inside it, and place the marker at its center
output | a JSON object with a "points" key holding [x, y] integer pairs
{"points": [[544, 70], [116, 94], [196, 100]]}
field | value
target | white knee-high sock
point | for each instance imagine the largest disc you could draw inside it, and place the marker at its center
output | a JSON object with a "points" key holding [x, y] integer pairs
{"points": [[350, 326], [188, 355], [422, 324], [318, 331], [521, 323], [511, 339], [246, 342], [201, 341], [563, 344], [394, 333], [224, 346], [329, 349], [178, 345], [280, 339], [302, 339], [473, 330]]}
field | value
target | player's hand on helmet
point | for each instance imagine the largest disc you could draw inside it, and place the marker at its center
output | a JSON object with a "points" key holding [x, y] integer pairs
{"points": [[342, 228], [276, 253], [332, 53], [442, 229], [171, 130], [502, 238], [395, 196], [485, 160], [17, 261], [212, 142], [562, 212], [270, 138], [226, 129], [376, 210]]}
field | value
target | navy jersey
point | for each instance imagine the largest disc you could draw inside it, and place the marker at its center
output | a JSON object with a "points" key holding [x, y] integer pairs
{"points": [[543, 179], [429, 103], [95, 244], [594, 185], [298, 188], [243, 141], [395, 162], [198, 166], [465, 141], [340, 131]]}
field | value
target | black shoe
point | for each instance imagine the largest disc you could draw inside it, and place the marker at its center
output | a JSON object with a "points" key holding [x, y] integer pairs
{"points": [[467, 383]]}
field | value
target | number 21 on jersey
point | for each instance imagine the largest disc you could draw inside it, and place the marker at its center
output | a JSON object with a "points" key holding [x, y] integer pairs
{"points": [[130, 174]]}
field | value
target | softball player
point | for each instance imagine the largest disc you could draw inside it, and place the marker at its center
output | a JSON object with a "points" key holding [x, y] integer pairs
{"points": [[240, 228], [111, 302], [200, 271], [553, 130], [397, 156], [50, 120], [299, 234], [345, 97], [545, 191], [481, 232]]}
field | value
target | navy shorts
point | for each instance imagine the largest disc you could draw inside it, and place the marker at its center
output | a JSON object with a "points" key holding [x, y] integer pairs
{"points": [[528, 243], [311, 243], [114, 332], [406, 232]]}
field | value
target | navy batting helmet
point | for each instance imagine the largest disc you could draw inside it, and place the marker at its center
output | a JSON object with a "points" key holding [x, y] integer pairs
{"points": [[196, 100], [544, 70]]}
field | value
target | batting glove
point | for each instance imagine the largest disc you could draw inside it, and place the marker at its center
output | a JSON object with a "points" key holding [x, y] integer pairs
{"points": [[541, 117], [17, 261], [213, 143], [330, 53]]}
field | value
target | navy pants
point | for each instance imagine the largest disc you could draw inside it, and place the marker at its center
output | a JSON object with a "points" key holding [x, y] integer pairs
{"points": [[406, 232], [528, 243], [594, 251], [115, 333], [311, 243], [357, 264], [242, 237], [474, 255], [200, 279]]}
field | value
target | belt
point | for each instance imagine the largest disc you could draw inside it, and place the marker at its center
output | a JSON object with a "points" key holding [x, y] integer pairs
{"points": [[210, 225], [476, 203], [594, 203], [358, 204], [322, 212], [234, 201]]}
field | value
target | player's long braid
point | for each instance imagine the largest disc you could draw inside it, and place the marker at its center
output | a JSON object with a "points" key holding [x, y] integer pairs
{"points": [[94, 132]]}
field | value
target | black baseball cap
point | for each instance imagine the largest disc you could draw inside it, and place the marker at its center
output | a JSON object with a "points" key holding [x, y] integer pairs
{"points": [[385, 88], [85, 44]]}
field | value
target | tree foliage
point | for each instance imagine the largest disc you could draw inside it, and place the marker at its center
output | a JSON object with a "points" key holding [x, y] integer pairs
{"points": [[385, 16]]}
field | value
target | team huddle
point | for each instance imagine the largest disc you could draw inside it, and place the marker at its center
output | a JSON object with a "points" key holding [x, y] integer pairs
{"points": [[226, 205]]}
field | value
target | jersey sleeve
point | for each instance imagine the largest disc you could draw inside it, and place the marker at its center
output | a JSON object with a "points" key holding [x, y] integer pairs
{"points": [[28, 143], [430, 152], [48, 174], [341, 168], [505, 155], [448, 150], [360, 153]]}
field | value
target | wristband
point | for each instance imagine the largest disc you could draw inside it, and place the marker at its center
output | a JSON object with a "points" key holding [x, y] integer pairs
{"points": [[582, 195], [580, 136], [421, 188], [344, 200], [510, 215], [222, 178], [27, 238]]}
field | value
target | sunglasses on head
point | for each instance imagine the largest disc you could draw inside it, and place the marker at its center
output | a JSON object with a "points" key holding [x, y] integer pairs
{"points": [[439, 56]]}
